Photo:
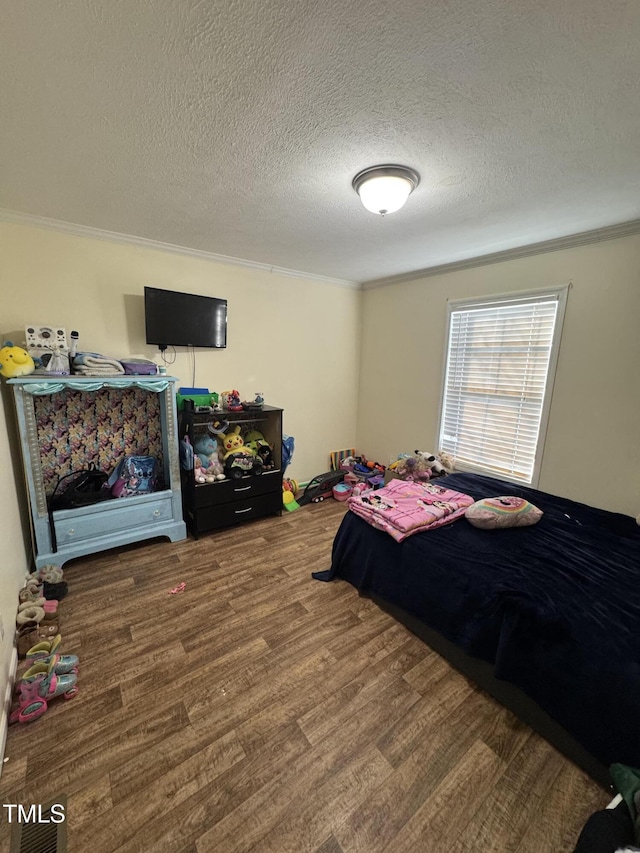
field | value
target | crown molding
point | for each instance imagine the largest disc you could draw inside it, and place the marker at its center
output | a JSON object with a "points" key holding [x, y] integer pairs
{"points": [[17, 218], [611, 232], [584, 238]]}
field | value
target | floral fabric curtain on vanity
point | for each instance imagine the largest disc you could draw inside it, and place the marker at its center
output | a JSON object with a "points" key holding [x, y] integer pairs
{"points": [[76, 428]]}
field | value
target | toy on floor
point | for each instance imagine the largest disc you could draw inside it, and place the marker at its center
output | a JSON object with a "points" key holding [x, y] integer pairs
{"points": [[289, 492], [341, 491], [290, 485], [288, 501], [361, 465], [320, 487]]}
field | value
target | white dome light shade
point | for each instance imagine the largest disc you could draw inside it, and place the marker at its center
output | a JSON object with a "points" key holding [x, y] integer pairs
{"points": [[384, 189]]}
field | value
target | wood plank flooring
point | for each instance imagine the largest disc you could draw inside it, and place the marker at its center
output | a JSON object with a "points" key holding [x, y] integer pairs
{"points": [[260, 710]]}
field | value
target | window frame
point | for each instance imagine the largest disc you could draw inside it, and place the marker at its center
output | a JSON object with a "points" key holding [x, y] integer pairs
{"points": [[560, 293]]}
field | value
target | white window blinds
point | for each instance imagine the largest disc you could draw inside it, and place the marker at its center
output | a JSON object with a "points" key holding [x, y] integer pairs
{"points": [[500, 358]]}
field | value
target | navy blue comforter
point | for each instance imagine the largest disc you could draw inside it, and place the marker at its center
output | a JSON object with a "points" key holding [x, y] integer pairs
{"points": [[554, 607]]}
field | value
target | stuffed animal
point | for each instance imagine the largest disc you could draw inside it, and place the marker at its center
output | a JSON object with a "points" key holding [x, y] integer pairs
{"points": [[238, 459], [256, 442], [206, 448], [232, 443], [199, 473], [421, 466], [15, 361], [447, 460], [412, 468], [211, 474], [437, 468]]}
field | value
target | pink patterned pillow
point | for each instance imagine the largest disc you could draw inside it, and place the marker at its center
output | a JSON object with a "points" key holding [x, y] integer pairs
{"points": [[492, 513]]}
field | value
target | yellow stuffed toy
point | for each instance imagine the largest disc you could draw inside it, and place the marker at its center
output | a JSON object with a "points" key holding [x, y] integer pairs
{"points": [[234, 443], [15, 361]]}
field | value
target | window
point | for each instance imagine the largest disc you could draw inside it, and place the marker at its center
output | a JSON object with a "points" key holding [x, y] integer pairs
{"points": [[501, 357]]}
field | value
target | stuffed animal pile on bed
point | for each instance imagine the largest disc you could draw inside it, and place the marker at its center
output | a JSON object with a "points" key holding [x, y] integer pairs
{"points": [[423, 465]]}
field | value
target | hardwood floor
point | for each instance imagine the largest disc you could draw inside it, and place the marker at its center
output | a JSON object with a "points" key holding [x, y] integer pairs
{"points": [[259, 710]]}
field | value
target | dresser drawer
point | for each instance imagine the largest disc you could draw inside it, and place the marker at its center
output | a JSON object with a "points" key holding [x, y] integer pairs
{"points": [[115, 516], [236, 512], [226, 491]]}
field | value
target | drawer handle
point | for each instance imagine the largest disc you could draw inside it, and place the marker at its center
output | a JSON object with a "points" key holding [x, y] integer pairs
{"points": [[240, 511], [243, 489], [71, 531], [156, 512]]}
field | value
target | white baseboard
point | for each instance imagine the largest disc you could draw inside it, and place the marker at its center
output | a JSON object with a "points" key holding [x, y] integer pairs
{"points": [[6, 705]]}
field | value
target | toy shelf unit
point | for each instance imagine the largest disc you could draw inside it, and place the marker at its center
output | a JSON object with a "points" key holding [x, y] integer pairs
{"points": [[211, 506], [67, 422]]}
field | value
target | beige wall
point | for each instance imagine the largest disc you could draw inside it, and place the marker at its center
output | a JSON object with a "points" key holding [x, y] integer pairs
{"points": [[592, 448], [294, 339]]}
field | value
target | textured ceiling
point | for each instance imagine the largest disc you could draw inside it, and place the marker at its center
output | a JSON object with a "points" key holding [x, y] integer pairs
{"points": [[236, 126]]}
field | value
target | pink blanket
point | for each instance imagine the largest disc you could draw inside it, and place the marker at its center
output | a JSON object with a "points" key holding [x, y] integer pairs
{"points": [[403, 508]]}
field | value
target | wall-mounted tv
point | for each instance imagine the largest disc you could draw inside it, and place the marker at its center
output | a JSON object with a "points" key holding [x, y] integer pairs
{"points": [[184, 319]]}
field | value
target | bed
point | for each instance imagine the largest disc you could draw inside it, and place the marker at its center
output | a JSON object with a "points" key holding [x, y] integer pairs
{"points": [[545, 618]]}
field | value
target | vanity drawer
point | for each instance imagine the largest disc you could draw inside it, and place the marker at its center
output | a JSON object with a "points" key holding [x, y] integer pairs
{"points": [[112, 517], [226, 491]]}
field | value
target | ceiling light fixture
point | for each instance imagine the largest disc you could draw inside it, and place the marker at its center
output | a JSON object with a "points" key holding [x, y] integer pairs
{"points": [[384, 189]]}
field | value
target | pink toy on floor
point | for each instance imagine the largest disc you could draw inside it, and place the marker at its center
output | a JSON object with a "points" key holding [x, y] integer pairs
{"points": [[178, 588]]}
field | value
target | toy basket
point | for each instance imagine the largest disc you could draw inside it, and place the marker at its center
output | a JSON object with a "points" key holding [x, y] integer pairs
{"points": [[341, 491]]}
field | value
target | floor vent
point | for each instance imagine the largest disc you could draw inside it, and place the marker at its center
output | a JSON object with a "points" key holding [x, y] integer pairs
{"points": [[43, 834]]}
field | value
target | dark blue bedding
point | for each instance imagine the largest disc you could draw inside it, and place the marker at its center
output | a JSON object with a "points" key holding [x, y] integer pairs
{"points": [[555, 607]]}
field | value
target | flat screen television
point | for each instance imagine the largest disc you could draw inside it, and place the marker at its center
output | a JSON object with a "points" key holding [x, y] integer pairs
{"points": [[184, 319]]}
